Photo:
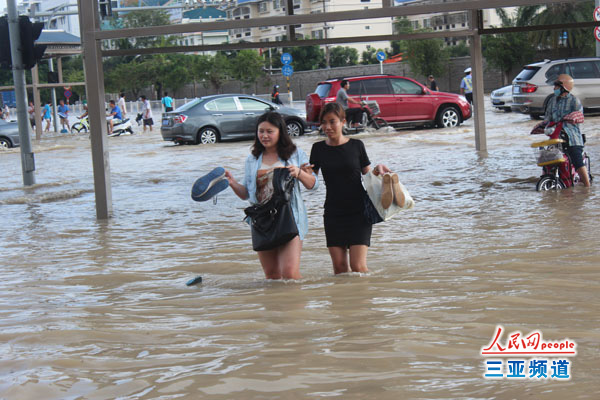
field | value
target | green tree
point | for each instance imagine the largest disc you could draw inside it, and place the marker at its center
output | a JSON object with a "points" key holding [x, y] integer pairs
{"points": [[504, 51], [247, 67], [460, 50], [427, 56], [145, 18], [340, 56], [576, 42], [218, 71], [401, 25], [369, 56], [306, 58]]}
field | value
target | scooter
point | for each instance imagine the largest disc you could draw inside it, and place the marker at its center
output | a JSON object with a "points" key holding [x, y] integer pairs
{"points": [[122, 128], [370, 118]]}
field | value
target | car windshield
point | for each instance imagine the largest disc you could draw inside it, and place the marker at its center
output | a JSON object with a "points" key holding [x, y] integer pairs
{"points": [[527, 73], [188, 105], [323, 89]]}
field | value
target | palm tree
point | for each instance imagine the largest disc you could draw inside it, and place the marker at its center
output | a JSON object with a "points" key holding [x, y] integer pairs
{"points": [[576, 41]]}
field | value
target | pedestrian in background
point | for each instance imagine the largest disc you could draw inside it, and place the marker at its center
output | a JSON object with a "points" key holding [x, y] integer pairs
{"points": [[47, 115], [147, 114], [31, 111], [122, 105], [167, 102], [275, 95], [466, 86], [433, 84], [63, 113], [5, 113]]}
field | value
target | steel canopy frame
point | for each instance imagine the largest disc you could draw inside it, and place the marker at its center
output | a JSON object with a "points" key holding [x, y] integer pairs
{"points": [[92, 35]]}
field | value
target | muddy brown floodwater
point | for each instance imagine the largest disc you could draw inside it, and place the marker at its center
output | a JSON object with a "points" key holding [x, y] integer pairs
{"points": [[100, 310]]}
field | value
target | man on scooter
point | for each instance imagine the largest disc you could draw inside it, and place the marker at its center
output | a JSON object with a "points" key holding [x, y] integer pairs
{"points": [[114, 117], [353, 115], [560, 105]]}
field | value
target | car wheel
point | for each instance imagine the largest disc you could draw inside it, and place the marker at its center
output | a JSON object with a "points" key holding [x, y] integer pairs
{"points": [[208, 136], [294, 128], [5, 143], [448, 117]]}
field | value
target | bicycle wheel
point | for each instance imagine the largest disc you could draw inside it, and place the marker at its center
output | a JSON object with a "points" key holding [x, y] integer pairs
{"points": [[548, 182], [77, 127]]}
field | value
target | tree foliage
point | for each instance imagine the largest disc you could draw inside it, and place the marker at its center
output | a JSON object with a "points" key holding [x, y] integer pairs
{"points": [[341, 56], [504, 51]]}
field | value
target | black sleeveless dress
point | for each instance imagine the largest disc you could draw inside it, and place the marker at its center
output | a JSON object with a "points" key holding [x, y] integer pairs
{"points": [[344, 220]]}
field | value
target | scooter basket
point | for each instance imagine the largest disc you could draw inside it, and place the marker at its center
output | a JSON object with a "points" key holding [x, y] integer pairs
{"points": [[373, 107], [548, 155]]}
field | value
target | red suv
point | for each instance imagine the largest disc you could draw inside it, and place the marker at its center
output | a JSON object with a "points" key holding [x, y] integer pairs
{"points": [[402, 101]]}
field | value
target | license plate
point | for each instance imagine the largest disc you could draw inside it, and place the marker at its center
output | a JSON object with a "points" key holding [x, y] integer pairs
{"points": [[166, 122], [516, 89]]}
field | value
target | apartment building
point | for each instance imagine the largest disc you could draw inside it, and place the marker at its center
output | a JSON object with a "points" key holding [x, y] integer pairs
{"points": [[246, 9], [453, 21], [203, 14], [56, 19]]}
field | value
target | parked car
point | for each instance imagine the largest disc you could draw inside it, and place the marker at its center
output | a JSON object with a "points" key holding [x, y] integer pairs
{"points": [[534, 86], [214, 118], [9, 134], [402, 101], [502, 98]]}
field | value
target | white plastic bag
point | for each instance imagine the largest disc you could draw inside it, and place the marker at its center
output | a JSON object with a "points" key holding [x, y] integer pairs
{"points": [[373, 184]]}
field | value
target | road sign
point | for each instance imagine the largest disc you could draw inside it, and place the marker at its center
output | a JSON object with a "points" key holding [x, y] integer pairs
{"points": [[68, 93], [286, 59], [381, 56], [597, 14], [287, 70], [597, 33]]}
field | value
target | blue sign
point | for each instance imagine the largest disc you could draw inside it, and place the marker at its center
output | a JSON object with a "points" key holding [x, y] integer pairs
{"points": [[381, 56], [287, 70], [286, 59]]}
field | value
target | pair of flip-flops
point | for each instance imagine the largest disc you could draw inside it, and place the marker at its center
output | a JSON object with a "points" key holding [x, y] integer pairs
{"points": [[207, 186]]}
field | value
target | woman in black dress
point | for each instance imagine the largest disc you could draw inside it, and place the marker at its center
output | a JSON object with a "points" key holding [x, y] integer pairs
{"points": [[342, 161]]}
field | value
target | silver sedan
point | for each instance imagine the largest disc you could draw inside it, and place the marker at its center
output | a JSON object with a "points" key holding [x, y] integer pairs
{"points": [[9, 134], [214, 118]]}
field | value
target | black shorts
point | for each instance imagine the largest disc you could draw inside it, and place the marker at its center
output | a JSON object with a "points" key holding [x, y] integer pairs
{"points": [[575, 154], [168, 109], [148, 122]]}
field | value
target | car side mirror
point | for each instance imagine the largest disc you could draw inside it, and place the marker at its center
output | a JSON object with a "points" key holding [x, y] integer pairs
{"points": [[426, 91]]}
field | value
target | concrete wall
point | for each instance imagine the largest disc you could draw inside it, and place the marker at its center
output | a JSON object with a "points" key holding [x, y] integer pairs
{"points": [[304, 82]]}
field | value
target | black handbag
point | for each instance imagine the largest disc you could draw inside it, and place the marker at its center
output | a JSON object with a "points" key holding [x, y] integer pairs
{"points": [[370, 212], [272, 223]]}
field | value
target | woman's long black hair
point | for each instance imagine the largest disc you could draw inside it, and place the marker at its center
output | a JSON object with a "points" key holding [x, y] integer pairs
{"points": [[285, 146]]}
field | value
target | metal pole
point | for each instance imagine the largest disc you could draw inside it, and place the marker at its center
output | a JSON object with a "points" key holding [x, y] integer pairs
{"points": [[53, 91], [477, 76], [89, 21], [27, 158]]}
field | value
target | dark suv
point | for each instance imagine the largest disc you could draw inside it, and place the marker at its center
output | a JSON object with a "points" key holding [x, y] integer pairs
{"points": [[402, 101]]}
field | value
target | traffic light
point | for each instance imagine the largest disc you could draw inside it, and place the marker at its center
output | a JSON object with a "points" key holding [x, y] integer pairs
{"points": [[31, 53], [5, 58]]}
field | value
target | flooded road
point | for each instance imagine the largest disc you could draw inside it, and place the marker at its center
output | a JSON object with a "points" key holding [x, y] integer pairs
{"points": [[100, 310]]}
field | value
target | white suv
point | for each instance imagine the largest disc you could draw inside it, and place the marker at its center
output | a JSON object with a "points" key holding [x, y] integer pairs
{"points": [[534, 85]]}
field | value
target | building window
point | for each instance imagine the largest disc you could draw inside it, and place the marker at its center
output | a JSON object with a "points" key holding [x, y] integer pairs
{"points": [[317, 34], [367, 27], [263, 7]]}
